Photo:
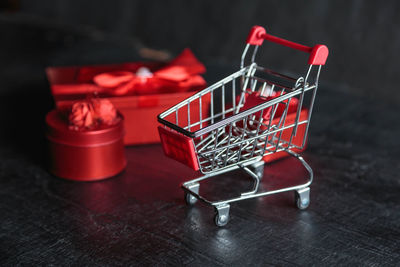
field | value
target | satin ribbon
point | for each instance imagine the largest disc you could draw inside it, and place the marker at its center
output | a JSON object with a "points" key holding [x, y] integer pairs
{"points": [[180, 74]]}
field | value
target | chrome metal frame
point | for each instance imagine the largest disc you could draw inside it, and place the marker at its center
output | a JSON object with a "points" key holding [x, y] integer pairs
{"points": [[189, 185], [230, 138]]}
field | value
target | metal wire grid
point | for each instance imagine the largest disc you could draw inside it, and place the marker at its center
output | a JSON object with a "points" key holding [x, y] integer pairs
{"points": [[225, 135]]}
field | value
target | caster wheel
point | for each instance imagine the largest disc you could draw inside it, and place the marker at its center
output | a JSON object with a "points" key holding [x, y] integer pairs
{"points": [[260, 174], [190, 199], [302, 199], [221, 215], [221, 220], [259, 170]]}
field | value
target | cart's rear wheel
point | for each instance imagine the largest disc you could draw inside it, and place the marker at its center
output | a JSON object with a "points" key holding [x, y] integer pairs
{"points": [[302, 198], [190, 199], [221, 220]]}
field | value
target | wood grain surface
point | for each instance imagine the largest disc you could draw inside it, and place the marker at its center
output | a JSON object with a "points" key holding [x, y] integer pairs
{"points": [[140, 218]]}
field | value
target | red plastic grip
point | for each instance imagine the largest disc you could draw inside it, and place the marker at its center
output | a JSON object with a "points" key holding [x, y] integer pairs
{"points": [[255, 35], [178, 147], [318, 53]]}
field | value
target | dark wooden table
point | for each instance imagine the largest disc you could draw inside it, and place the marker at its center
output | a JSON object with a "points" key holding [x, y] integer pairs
{"points": [[140, 218]]}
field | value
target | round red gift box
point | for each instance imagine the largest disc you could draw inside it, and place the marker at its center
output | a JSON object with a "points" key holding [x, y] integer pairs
{"points": [[86, 155]]}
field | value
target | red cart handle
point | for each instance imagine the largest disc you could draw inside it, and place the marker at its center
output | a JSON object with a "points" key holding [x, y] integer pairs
{"points": [[318, 53]]}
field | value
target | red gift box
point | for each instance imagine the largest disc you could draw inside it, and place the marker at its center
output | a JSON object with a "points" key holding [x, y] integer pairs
{"points": [[138, 97], [255, 99], [85, 154], [297, 139]]}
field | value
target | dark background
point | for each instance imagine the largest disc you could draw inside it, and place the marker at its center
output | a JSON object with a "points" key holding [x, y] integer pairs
{"points": [[363, 36], [139, 216]]}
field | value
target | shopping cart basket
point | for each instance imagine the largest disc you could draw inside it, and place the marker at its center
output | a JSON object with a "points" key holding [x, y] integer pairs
{"points": [[236, 122]]}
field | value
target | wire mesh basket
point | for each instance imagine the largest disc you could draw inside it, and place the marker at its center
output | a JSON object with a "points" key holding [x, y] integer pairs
{"points": [[243, 118]]}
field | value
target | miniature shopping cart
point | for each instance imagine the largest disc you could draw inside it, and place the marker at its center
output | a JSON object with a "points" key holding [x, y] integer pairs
{"points": [[251, 115]]}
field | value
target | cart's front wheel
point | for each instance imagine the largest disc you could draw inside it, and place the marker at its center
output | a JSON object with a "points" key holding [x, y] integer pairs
{"points": [[221, 214], [302, 198], [190, 199]]}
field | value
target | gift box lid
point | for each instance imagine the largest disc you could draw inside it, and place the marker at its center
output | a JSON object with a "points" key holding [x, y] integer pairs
{"points": [[58, 131], [127, 83]]}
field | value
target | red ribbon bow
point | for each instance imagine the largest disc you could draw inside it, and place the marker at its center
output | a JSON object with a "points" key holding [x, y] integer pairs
{"points": [[181, 73]]}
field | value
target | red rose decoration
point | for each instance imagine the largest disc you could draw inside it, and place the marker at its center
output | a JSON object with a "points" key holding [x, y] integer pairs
{"points": [[81, 115], [104, 110], [93, 112]]}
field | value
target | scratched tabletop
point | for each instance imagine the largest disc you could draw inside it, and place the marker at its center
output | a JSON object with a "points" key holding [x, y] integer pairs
{"points": [[140, 218]]}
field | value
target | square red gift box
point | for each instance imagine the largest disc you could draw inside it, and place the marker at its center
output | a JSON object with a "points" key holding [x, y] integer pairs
{"points": [[139, 90], [255, 99]]}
